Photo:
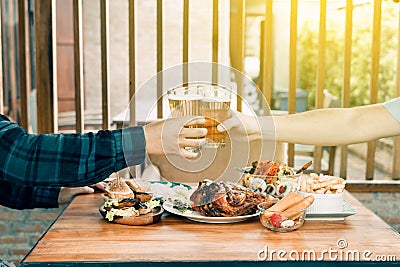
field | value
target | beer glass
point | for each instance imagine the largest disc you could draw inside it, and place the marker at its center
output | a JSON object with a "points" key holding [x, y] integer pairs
{"points": [[209, 101]]}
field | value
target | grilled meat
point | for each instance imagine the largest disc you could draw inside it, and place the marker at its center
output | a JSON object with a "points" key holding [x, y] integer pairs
{"points": [[225, 199]]}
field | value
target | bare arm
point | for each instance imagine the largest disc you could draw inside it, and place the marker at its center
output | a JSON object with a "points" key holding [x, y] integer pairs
{"points": [[317, 127], [336, 126]]}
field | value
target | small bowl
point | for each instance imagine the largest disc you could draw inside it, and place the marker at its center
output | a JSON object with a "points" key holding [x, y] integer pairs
{"points": [[279, 221]]}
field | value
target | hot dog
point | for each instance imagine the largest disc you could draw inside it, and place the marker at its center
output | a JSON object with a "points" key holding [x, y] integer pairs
{"points": [[290, 203], [286, 202], [301, 205]]}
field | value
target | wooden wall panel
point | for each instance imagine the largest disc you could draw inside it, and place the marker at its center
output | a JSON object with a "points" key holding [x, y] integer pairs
{"points": [[65, 29], [65, 56], [46, 62], [65, 73]]}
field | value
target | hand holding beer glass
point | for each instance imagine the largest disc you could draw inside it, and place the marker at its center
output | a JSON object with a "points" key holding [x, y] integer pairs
{"points": [[210, 101]]}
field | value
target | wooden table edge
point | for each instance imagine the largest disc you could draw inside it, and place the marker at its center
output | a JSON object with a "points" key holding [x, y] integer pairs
{"points": [[212, 263], [47, 229], [348, 196]]}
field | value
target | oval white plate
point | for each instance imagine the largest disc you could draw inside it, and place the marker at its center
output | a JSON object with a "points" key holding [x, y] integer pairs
{"points": [[195, 216]]}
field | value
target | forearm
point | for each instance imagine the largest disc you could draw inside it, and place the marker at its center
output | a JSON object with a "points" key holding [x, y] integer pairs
{"points": [[26, 197], [67, 160], [336, 126]]}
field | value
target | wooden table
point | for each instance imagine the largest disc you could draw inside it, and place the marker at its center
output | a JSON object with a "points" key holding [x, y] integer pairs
{"points": [[81, 235]]}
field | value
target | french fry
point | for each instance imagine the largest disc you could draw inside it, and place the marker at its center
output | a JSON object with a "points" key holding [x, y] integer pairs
{"points": [[303, 185], [338, 186], [322, 184]]}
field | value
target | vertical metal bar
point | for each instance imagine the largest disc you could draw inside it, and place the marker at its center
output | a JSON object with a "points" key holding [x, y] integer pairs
{"points": [[24, 61], [1, 62], [28, 60], [374, 83], [321, 56], [241, 25], [185, 40], [159, 58], [5, 63], [396, 147], [375, 53], [132, 62], [346, 78], [78, 66], [13, 61], [292, 57], [262, 55], [105, 67], [268, 52], [347, 55], [133, 170], [46, 64], [215, 38], [320, 76], [396, 156], [292, 70]]}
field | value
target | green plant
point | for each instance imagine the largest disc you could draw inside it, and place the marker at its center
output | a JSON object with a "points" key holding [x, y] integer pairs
{"points": [[360, 56]]}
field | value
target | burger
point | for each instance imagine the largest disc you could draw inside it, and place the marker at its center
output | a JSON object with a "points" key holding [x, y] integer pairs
{"points": [[127, 199]]}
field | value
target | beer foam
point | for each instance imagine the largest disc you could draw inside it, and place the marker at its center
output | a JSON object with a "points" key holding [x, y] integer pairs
{"points": [[185, 97], [199, 98], [214, 99]]}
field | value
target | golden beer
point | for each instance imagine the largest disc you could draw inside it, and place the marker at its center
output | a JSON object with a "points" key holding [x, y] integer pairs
{"points": [[215, 113], [215, 109]]}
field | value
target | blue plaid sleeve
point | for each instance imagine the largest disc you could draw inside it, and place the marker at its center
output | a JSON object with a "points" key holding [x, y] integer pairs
{"points": [[46, 197], [66, 159], [393, 106], [26, 197]]}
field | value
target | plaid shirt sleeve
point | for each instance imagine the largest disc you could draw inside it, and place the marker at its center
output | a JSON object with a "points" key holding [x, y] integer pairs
{"points": [[27, 197], [66, 159]]}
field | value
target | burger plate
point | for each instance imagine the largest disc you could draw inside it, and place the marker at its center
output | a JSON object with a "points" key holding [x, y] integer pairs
{"points": [[153, 217]]}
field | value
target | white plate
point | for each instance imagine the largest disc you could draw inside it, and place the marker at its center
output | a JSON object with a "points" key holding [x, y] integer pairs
{"points": [[347, 210], [195, 216], [165, 189]]}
